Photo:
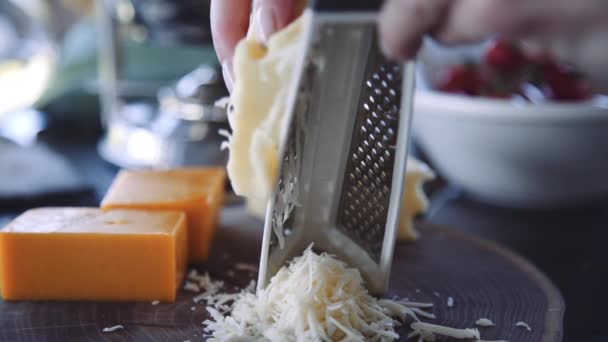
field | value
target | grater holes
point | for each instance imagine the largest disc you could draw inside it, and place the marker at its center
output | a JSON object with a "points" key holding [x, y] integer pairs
{"points": [[385, 189], [375, 118], [364, 131], [367, 185], [370, 173], [358, 172], [383, 177]]}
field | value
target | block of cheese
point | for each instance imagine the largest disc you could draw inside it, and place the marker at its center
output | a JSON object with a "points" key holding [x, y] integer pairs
{"points": [[199, 192], [414, 200], [259, 110], [87, 254], [259, 106]]}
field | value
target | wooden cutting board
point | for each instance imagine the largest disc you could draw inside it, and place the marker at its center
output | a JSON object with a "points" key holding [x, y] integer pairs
{"points": [[483, 279]]}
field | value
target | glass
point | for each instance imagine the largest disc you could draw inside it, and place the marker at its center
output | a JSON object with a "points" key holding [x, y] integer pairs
{"points": [[27, 54]]}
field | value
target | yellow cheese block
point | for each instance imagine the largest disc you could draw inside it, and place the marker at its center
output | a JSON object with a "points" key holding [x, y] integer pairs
{"points": [[86, 254], [199, 192]]}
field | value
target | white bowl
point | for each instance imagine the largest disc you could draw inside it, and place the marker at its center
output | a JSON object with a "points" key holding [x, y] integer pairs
{"points": [[516, 154]]}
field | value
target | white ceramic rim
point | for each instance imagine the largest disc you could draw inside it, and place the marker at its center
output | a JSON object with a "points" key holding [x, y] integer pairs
{"points": [[486, 109]]}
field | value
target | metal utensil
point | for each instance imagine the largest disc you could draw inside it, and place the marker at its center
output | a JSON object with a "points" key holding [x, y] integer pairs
{"points": [[342, 165]]}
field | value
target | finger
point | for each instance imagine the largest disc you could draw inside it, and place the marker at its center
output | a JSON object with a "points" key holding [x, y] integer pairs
{"points": [[403, 23], [229, 22], [269, 16], [473, 20]]}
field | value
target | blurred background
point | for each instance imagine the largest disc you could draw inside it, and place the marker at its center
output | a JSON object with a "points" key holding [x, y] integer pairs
{"points": [[88, 87]]}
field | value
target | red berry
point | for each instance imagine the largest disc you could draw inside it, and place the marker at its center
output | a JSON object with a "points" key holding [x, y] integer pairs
{"points": [[462, 79], [564, 85], [504, 56]]}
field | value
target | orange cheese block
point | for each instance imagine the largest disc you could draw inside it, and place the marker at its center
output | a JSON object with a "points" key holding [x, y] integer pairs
{"points": [[199, 192], [86, 254]]}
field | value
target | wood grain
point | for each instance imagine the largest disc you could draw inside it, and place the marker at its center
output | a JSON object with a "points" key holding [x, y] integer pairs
{"points": [[483, 279]]}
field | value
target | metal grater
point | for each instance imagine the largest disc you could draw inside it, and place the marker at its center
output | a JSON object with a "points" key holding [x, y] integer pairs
{"points": [[342, 165]]}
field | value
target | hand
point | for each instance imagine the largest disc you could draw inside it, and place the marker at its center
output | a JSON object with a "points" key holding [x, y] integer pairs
{"points": [[572, 31], [230, 20]]}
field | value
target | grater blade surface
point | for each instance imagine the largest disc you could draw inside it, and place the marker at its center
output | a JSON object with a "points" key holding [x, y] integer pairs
{"points": [[342, 164]]}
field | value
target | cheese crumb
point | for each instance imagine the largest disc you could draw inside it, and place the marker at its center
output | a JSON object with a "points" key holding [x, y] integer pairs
{"points": [[484, 322], [245, 267], [223, 103], [523, 325], [113, 328], [155, 302], [192, 287], [427, 329]]}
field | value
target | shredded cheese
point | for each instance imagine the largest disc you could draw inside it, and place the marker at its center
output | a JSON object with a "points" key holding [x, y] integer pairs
{"points": [[484, 322], [427, 329], [450, 302], [113, 328], [155, 302], [523, 325], [316, 297], [224, 102], [192, 287]]}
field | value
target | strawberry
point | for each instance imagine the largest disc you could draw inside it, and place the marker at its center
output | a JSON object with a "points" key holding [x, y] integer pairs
{"points": [[565, 85], [505, 56], [462, 78]]}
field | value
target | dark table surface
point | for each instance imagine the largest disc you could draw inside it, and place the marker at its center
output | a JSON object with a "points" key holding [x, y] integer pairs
{"points": [[568, 245]]}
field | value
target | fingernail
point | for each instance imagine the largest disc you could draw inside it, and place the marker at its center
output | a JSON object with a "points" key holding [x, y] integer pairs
{"points": [[265, 22], [228, 74]]}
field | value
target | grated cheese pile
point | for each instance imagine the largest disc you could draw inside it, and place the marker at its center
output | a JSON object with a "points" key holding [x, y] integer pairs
{"points": [[318, 298]]}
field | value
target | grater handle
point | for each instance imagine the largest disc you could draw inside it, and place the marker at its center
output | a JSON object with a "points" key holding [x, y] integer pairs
{"points": [[346, 5]]}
